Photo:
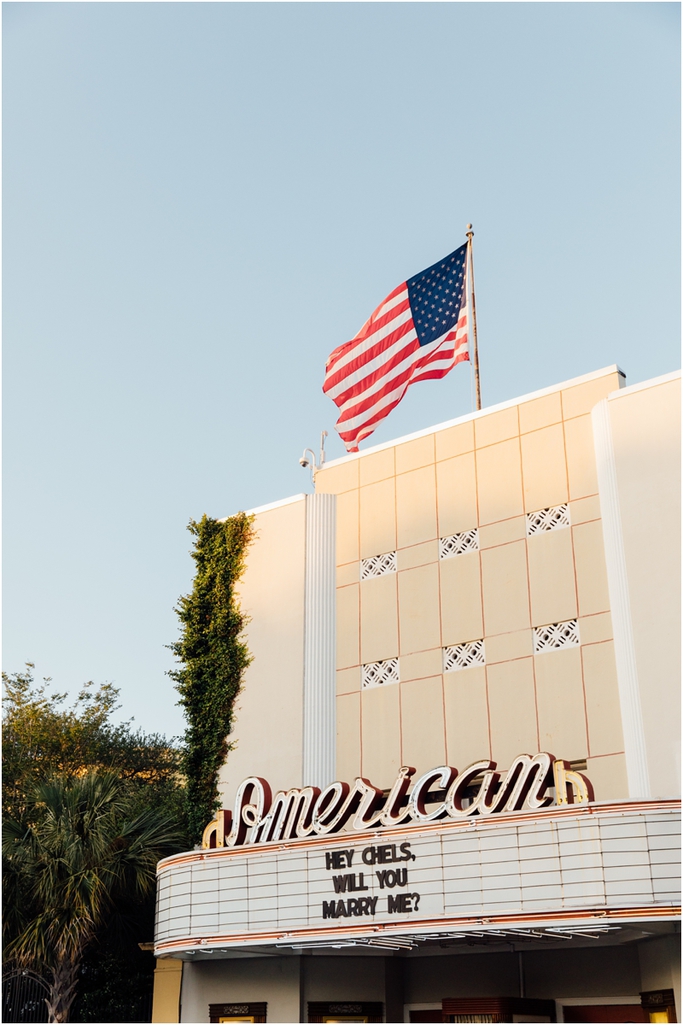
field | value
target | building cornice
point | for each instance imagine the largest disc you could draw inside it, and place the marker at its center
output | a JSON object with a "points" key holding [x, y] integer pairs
{"points": [[478, 414]]}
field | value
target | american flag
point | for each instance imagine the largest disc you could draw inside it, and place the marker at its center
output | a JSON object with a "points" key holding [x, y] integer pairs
{"points": [[419, 332]]}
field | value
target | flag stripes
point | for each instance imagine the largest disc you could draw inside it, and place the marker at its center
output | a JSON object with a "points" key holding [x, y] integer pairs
{"points": [[368, 376]]}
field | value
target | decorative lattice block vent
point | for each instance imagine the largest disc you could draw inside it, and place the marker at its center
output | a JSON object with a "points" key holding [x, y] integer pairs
{"points": [[556, 635], [547, 519], [458, 544], [376, 674], [378, 565], [463, 656]]}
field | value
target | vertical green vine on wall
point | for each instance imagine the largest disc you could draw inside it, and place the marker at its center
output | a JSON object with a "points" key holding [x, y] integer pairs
{"points": [[213, 657]]}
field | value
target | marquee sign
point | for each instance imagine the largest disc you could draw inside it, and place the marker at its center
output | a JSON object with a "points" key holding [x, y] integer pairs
{"points": [[531, 783], [547, 866]]}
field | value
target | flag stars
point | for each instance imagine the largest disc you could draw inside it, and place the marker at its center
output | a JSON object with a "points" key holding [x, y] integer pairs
{"points": [[436, 297]]}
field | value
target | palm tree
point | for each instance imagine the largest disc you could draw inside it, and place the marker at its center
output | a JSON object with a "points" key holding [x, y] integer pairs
{"points": [[82, 844]]}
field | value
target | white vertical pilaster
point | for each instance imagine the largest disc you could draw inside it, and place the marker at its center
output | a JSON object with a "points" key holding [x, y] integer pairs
{"points": [[617, 580], [320, 720]]}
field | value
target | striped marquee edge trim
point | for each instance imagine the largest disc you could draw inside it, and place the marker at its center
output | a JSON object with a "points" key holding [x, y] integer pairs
{"points": [[535, 919], [479, 791]]}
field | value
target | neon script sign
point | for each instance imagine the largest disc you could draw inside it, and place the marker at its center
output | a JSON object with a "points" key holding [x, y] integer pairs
{"points": [[531, 783]]}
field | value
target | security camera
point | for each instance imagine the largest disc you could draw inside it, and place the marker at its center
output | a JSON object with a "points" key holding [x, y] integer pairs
{"points": [[308, 459]]}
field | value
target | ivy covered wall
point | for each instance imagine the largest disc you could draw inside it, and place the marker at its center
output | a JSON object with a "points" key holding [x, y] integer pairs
{"points": [[213, 657]]}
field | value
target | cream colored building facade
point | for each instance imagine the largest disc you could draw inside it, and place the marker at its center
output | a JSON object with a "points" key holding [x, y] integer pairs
{"points": [[505, 583]]}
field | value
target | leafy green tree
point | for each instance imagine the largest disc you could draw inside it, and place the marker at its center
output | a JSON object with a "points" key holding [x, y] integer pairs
{"points": [[82, 845], [112, 988], [213, 656], [43, 737]]}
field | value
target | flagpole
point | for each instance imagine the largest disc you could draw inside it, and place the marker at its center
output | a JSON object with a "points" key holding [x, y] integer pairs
{"points": [[475, 347]]}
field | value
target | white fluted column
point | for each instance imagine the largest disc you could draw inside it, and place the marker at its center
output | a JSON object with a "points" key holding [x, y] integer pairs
{"points": [[320, 720], [620, 606]]}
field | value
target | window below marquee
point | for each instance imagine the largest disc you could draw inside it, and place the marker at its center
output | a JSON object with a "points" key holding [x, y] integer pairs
{"points": [[238, 1012]]}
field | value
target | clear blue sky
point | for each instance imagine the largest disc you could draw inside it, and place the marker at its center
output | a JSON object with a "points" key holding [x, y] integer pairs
{"points": [[201, 201]]}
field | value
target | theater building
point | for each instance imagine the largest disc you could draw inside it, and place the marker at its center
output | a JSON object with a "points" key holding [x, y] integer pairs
{"points": [[454, 791]]}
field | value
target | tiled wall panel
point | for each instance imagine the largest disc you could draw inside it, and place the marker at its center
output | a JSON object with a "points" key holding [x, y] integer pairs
{"points": [[487, 473]]}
